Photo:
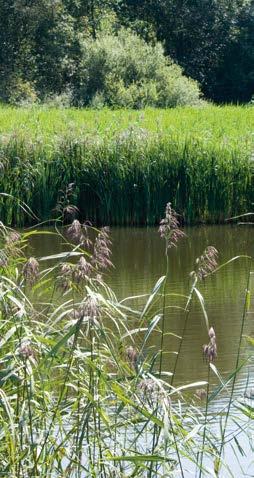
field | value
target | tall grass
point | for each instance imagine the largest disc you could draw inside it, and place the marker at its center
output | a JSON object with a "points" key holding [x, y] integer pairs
{"points": [[126, 164], [81, 393]]}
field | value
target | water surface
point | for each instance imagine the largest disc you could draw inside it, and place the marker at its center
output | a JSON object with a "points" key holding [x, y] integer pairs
{"points": [[138, 255]]}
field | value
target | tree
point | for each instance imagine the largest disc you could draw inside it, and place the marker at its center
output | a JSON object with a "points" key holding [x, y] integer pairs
{"points": [[235, 74], [196, 33]]}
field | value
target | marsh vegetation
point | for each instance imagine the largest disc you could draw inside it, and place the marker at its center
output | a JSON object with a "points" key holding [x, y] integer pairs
{"points": [[83, 393]]}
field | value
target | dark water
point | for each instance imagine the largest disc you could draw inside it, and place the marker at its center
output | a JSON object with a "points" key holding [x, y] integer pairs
{"points": [[139, 260]]}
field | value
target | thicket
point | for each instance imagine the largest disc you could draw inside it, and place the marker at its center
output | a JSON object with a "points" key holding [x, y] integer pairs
{"points": [[115, 70], [125, 71]]}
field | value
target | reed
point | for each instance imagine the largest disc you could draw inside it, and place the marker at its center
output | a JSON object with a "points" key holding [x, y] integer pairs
{"points": [[80, 396], [126, 164]]}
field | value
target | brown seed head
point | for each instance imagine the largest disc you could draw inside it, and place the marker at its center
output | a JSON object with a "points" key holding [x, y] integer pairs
{"points": [[169, 227], [91, 308], [151, 390], [201, 394], [82, 271], [25, 352], [102, 251], [70, 211], [207, 263], [210, 350], [31, 271], [12, 237], [211, 333], [74, 231], [132, 355], [65, 276]]}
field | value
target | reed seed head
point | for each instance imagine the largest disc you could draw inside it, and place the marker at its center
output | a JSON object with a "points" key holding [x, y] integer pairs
{"points": [[88, 309], [211, 332], [148, 386], [74, 231], [91, 308], [25, 352], [65, 276], [12, 237], [70, 211], [201, 394], [132, 355], [170, 228], [82, 271], [31, 271], [78, 233], [207, 263], [102, 250], [3, 259], [210, 350]]}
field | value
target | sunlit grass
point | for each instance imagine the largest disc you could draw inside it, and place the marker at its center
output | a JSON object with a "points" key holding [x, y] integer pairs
{"points": [[127, 164], [210, 123]]}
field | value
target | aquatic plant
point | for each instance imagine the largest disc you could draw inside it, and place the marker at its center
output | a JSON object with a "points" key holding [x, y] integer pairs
{"points": [[81, 393]]}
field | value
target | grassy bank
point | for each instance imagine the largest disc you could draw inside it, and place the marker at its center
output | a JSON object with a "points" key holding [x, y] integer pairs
{"points": [[126, 165]]}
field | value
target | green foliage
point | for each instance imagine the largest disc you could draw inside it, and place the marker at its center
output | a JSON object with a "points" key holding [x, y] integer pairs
{"points": [[127, 164], [124, 71], [235, 73], [211, 40], [21, 92], [45, 43]]}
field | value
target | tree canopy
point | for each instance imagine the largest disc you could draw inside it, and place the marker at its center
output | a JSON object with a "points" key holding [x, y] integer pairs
{"points": [[43, 43]]}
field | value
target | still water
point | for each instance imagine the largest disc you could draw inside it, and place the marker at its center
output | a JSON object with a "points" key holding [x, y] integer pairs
{"points": [[138, 255]]}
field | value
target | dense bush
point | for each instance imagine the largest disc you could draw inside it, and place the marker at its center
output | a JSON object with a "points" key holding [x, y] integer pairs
{"points": [[125, 71]]}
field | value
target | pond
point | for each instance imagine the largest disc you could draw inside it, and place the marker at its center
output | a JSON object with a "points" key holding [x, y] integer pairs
{"points": [[138, 255]]}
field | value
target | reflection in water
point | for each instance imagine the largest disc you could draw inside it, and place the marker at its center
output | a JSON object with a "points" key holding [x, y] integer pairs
{"points": [[139, 259], [138, 255]]}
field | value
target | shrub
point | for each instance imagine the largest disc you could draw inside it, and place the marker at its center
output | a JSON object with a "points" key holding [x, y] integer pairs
{"points": [[21, 92], [62, 100], [124, 71]]}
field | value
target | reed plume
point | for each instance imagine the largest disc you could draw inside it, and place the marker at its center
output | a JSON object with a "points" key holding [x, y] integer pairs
{"points": [[31, 271]]}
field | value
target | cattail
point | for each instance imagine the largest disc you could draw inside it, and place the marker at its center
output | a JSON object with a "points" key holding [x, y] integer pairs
{"points": [[210, 350], [31, 271], [102, 251], [169, 227], [206, 263]]}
